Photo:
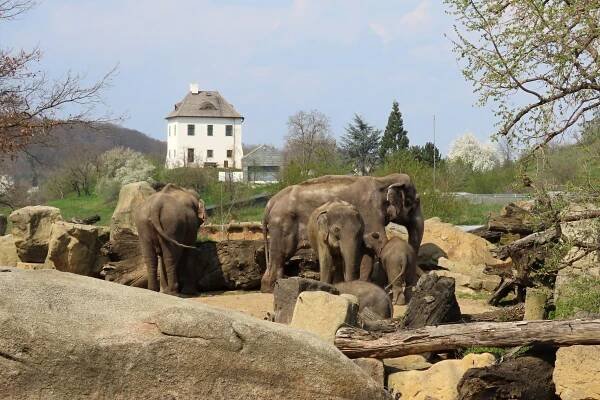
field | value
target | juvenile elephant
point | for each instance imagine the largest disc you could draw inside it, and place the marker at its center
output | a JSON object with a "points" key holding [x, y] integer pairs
{"points": [[399, 261], [369, 296], [335, 232], [379, 200], [168, 224]]}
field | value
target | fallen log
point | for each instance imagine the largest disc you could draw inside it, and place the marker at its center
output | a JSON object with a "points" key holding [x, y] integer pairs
{"points": [[356, 343], [512, 219], [503, 314], [535, 239]]}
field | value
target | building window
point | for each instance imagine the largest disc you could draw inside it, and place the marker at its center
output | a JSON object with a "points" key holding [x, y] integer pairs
{"points": [[228, 130], [190, 156], [209, 153], [225, 164], [191, 129], [209, 130], [229, 153]]}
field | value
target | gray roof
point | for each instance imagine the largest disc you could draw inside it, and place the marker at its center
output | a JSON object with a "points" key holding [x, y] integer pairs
{"points": [[263, 155], [204, 104]]}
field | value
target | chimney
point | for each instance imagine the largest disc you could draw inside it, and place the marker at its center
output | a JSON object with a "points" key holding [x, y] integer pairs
{"points": [[194, 88]]}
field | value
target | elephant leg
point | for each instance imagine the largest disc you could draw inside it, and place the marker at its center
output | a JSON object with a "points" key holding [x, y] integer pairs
{"points": [[187, 277], [283, 243], [162, 273], [366, 267], [150, 257], [326, 265], [171, 255]]}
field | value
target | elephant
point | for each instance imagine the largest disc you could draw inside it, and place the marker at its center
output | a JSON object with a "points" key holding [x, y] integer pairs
{"points": [[167, 224], [369, 296], [399, 262], [379, 200], [335, 233]]}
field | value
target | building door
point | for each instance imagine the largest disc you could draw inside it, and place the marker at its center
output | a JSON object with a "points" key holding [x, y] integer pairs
{"points": [[190, 156], [225, 164]]}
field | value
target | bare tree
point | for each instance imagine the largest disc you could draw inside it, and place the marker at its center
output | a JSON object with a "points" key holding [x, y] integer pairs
{"points": [[31, 105], [309, 139], [537, 61]]}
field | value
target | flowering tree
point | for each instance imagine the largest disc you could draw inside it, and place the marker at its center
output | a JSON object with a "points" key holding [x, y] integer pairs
{"points": [[469, 150], [118, 167]]}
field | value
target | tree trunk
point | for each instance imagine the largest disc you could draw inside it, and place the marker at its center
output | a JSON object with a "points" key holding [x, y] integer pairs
{"points": [[513, 219], [355, 343], [433, 302], [535, 239]]}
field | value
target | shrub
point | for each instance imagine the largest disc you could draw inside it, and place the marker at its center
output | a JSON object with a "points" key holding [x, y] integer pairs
{"points": [[581, 294], [189, 177], [125, 166]]}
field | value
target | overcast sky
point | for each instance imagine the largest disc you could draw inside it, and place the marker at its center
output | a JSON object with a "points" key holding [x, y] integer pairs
{"points": [[268, 58]]}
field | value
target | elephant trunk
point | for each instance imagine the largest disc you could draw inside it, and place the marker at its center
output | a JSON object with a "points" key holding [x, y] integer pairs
{"points": [[351, 253]]}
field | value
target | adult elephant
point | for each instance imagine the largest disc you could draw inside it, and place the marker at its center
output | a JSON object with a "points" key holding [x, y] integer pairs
{"points": [[168, 224], [392, 198]]}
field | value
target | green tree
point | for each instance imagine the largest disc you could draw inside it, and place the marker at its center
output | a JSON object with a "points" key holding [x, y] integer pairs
{"points": [[537, 61], [426, 154], [361, 145], [395, 137]]}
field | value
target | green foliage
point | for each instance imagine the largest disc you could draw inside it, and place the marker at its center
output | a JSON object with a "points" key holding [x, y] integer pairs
{"points": [[240, 214], [581, 294], [426, 154], [361, 145], [395, 137], [496, 351], [462, 178], [84, 206], [293, 172], [198, 179]]}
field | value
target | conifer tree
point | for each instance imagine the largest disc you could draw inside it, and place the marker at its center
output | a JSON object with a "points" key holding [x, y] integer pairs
{"points": [[361, 145], [395, 137]]}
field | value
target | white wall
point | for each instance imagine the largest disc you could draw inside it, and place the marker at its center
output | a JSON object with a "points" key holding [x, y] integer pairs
{"points": [[178, 141]]}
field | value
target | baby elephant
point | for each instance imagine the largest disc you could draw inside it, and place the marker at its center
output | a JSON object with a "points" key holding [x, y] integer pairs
{"points": [[335, 232], [399, 262], [369, 296]]}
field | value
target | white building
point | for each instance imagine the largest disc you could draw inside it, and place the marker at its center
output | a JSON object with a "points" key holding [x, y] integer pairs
{"points": [[204, 130]]}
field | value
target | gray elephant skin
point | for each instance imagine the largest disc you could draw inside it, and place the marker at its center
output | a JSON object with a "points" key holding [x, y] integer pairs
{"points": [[399, 261], [167, 225], [335, 233], [369, 296], [379, 200]]}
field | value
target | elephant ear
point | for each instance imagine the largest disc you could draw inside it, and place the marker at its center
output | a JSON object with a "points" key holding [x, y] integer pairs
{"points": [[323, 227], [402, 197]]}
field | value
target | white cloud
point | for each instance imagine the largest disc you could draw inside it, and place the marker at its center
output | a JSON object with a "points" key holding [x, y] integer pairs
{"points": [[390, 28]]}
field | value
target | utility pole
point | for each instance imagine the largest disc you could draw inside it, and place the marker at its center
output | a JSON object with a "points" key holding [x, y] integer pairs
{"points": [[434, 152]]}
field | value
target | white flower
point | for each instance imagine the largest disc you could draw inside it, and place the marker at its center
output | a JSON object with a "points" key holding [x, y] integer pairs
{"points": [[468, 149], [6, 184]]}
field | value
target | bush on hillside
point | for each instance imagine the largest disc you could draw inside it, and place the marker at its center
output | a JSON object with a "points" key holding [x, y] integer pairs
{"points": [[189, 177], [118, 167]]}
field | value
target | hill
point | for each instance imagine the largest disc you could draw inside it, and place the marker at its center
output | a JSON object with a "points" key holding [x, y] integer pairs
{"points": [[64, 141]]}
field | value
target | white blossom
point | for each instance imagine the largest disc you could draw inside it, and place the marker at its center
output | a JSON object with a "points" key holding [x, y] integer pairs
{"points": [[479, 156], [125, 166], [6, 184]]}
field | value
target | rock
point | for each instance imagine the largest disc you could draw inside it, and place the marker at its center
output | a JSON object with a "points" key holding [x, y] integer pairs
{"points": [[523, 378], [323, 313], [129, 343], [576, 372], [131, 197], [535, 304], [438, 382], [33, 266], [230, 265], [76, 248], [406, 363], [373, 367], [31, 227], [467, 275], [8, 251], [433, 302], [286, 293], [3, 224]]}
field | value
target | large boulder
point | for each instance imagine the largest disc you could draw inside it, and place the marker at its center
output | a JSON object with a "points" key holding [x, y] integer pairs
{"points": [[324, 313], [8, 251], [76, 248], [463, 255], [130, 343], [438, 382], [286, 292], [131, 197], [576, 372], [31, 228]]}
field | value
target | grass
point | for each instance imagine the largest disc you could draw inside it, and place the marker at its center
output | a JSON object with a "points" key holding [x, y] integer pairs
{"points": [[581, 294], [84, 206], [242, 214], [471, 214]]}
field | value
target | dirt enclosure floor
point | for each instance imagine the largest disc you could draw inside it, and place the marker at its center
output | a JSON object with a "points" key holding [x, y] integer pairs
{"points": [[257, 304]]}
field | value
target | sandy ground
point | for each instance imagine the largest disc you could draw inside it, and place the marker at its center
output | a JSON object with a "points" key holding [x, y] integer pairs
{"points": [[258, 304]]}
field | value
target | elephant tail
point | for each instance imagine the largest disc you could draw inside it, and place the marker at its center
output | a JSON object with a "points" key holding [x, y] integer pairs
{"points": [[158, 227], [265, 230]]}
